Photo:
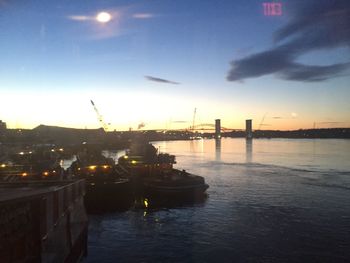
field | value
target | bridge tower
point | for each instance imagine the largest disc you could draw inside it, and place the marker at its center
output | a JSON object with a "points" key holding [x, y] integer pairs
{"points": [[217, 128], [248, 129]]}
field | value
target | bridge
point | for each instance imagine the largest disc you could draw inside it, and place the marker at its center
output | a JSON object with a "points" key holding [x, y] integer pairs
{"points": [[211, 127]]}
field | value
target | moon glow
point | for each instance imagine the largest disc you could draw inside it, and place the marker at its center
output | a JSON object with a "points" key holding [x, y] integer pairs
{"points": [[103, 17]]}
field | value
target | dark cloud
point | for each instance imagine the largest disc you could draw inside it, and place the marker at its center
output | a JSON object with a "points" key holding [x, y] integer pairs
{"points": [[161, 80], [255, 65], [315, 25], [313, 73]]}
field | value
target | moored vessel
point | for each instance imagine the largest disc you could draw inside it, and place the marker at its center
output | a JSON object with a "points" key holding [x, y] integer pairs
{"points": [[154, 176], [106, 190]]}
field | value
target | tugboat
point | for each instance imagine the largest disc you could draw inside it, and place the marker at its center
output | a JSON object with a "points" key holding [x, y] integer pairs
{"points": [[35, 164], [106, 190], [154, 177]]}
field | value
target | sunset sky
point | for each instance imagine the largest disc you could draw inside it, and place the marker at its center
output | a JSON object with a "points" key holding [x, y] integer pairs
{"points": [[155, 61]]}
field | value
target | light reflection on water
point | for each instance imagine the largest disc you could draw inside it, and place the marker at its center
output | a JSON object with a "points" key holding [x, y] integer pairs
{"points": [[269, 201]]}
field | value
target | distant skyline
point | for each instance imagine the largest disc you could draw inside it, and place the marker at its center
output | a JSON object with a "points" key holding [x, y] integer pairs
{"points": [[153, 62]]}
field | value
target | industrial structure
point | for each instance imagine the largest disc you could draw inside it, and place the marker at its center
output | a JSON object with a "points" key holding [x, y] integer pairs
{"points": [[248, 129], [99, 117], [43, 221], [217, 128], [2, 125]]}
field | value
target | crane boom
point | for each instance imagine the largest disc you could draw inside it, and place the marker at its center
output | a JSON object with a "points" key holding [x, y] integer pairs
{"points": [[194, 118], [262, 121], [99, 117]]}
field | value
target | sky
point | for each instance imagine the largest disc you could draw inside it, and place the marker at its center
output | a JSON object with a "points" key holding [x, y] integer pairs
{"points": [[154, 62]]}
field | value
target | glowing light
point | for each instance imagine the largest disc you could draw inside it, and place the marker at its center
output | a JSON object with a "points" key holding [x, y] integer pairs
{"points": [[45, 173], [24, 174], [145, 202], [61, 149], [133, 162], [126, 157], [21, 153], [52, 150], [3, 165], [272, 9], [92, 183], [92, 167], [79, 169], [103, 17], [105, 166]]}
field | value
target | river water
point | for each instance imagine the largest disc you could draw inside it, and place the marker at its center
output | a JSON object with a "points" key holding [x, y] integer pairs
{"points": [[270, 200]]}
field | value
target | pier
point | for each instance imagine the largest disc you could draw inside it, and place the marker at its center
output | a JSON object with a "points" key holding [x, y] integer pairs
{"points": [[43, 221]]}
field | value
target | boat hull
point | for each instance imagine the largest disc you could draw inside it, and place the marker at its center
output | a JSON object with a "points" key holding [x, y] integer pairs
{"points": [[108, 196], [185, 191]]}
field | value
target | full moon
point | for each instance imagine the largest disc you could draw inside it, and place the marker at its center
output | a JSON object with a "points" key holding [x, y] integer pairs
{"points": [[103, 17]]}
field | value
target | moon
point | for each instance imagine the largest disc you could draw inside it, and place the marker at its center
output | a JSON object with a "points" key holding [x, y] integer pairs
{"points": [[103, 17]]}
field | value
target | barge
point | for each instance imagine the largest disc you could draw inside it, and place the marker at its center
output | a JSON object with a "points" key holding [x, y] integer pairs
{"points": [[154, 176], [106, 190]]}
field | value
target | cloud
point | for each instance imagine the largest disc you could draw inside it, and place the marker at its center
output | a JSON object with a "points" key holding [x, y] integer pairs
{"points": [[313, 73], [96, 29], [3, 3], [142, 15], [315, 25], [80, 18], [260, 64], [161, 80], [179, 121]]}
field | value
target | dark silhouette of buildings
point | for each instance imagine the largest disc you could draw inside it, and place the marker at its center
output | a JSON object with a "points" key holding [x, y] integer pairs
{"points": [[2, 126]]}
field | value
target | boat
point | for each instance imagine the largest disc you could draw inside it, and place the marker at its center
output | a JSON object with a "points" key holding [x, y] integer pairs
{"points": [[154, 176], [106, 190], [34, 164]]}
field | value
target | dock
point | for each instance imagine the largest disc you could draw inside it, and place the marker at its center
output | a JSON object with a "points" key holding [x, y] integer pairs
{"points": [[43, 221]]}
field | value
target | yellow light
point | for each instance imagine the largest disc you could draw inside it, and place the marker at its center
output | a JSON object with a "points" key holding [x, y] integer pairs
{"points": [[61, 149], [46, 173], [78, 168], [3, 165], [145, 202], [24, 174], [92, 167], [105, 166], [126, 157], [133, 162], [103, 17]]}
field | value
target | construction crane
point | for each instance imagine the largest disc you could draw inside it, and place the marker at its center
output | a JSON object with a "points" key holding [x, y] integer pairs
{"points": [[99, 117], [262, 121], [194, 119]]}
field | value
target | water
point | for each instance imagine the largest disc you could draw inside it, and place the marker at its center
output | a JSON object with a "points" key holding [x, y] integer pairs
{"points": [[274, 200]]}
